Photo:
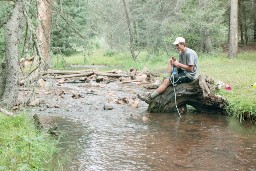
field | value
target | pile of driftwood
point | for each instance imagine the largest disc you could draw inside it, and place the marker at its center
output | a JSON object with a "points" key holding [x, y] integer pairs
{"points": [[51, 78], [87, 75]]}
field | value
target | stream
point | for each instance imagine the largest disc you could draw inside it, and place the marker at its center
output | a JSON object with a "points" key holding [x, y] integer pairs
{"points": [[129, 138]]}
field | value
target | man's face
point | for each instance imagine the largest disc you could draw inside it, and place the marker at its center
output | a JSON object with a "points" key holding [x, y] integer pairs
{"points": [[180, 47]]}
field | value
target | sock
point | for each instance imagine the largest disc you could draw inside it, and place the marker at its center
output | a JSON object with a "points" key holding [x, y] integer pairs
{"points": [[154, 94]]}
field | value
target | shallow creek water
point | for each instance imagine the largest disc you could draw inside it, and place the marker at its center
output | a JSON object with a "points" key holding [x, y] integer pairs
{"points": [[127, 138]]}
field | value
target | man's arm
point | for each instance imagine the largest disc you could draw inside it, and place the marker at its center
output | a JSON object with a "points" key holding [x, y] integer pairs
{"points": [[186, 67], [169, 67]]}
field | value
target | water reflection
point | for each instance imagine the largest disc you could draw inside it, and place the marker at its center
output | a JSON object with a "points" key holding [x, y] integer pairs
{"points": [[114, 141]]}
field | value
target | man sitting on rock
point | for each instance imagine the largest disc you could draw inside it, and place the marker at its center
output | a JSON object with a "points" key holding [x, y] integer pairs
{"points": [[186, 66]]}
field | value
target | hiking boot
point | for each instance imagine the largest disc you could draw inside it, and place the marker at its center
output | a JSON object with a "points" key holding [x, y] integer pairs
{"points": [[146, 98]]}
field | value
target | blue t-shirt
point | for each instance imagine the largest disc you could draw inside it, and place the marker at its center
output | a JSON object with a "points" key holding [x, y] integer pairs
{"points": [[189, 57]]}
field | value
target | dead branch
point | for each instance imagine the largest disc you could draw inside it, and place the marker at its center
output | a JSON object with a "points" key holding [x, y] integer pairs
{"points": [[6, 112], [58, 72], [72, 75], [111, 75]]}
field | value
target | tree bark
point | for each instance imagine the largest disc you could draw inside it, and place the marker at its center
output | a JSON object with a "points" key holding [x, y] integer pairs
{"points": [[10, 67], [240, 21], [254, 30], [233, 32], [245, 18], [198, 94], [206, 41], [43, 31], [2, 80]]}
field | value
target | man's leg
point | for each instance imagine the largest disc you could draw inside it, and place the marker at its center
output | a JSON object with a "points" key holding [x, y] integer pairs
{"points": [[161, 88], [155, 93], [180, 78]]}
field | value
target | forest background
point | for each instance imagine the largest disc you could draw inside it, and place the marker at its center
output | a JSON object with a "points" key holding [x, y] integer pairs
{"points": [[121, 34]]}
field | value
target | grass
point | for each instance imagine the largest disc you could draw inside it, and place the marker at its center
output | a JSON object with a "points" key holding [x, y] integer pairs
{"points": [[114, 60], [22, 147], [239, 73]]}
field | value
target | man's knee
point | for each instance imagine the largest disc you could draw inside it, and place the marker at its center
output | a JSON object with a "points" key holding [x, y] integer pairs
{"points": [[166, 81]]}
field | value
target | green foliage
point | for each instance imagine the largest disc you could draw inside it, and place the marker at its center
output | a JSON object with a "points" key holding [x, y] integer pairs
{"points": [[69, 29], [243, 110], [2, 44], [22, 147], [109, 53], [59, 61], [154, 25], [197, 21], [5, 12], [61, 43]]}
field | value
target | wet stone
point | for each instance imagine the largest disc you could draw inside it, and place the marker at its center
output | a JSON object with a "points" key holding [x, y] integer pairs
{"points": [[108, 107]]}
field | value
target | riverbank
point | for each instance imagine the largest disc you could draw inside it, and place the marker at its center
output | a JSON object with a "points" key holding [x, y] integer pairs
{"points": [[240, 74], [23, 147]]}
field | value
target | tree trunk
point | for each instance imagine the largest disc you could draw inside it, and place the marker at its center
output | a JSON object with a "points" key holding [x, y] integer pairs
{"points": [[254, 30], [2, 80], [43, 31], [242, 34], [10, 78], [241, 19], [197, 94], [244, 22], [208, 44], [130, 31], [233, 40]]}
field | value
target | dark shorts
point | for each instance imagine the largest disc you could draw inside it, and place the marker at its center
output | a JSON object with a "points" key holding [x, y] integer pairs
{"points": [[180, 78]]}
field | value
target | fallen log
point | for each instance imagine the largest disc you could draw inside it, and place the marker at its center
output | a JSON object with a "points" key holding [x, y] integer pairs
{"points": [[199, 94], [66, 72], [6, 112], [72, 75], [111, 75]]}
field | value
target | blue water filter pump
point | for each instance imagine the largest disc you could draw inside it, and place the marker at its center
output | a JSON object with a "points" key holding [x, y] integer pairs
{"points": [[174, 71]]}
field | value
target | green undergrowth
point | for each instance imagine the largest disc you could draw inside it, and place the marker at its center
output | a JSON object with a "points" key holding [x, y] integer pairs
{"points": [[239, 73], [22, 147], [144, 61]]}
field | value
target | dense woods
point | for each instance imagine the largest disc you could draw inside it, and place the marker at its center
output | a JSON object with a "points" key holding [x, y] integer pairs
{"points": [[46, 27]]}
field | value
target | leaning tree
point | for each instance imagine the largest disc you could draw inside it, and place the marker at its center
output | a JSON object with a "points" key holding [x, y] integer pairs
{"points": [[9, 75]]}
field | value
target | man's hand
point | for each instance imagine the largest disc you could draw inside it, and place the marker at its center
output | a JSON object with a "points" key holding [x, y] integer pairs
{"points": [[186, 67], [172, 60], [175, 63]]}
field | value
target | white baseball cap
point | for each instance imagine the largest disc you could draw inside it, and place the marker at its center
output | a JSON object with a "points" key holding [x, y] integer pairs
{"points": [[179, 40]]}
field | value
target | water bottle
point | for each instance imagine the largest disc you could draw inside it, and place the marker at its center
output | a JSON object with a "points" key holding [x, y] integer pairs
{"points": [[174, 71]]}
